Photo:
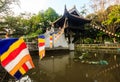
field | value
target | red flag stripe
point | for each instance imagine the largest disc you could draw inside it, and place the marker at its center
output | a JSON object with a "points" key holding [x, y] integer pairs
{"points": [[41, 44], [26, 58], [11, 56], [50, 38], [25, 67]]}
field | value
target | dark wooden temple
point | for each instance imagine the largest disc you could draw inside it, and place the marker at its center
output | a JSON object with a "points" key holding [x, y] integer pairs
{"points": [[72, 22]]}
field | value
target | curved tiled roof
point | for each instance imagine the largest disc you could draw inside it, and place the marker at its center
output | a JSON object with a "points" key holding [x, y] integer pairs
{"points": [[73, 18]]}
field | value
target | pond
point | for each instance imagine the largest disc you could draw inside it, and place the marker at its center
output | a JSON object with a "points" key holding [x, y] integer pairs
{"points": [[98, 65]]}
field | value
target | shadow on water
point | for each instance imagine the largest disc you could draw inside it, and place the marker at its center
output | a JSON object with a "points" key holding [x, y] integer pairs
{"points": [[77, 66]]}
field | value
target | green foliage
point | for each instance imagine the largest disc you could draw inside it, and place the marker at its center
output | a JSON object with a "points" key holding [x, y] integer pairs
{"points": [[5, 5], [100, 34], [41, 21], [50, 14], [14, 26], [108, 19], [83, 11], [33, 25], [113, 16], [88, 40]]}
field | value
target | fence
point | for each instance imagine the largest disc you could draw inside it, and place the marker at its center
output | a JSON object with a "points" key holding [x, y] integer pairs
{"points": [[109, 46]]}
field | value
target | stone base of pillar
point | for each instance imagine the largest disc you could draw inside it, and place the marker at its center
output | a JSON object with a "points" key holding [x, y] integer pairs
{"points": [[71, 46]]}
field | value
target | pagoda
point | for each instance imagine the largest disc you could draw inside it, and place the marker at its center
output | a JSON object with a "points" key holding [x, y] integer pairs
{"points": [[72, 22]]}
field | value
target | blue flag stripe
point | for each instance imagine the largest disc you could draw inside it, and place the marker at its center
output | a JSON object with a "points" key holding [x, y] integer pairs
{"points": [[5, 44], [41, 36], [18, 75]]}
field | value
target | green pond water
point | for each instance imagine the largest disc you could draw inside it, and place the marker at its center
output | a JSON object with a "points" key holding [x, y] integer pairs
{"points": [[82, 65]]}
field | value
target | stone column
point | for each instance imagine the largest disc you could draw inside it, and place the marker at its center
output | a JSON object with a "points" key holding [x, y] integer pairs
{"points": [[71, 45]]}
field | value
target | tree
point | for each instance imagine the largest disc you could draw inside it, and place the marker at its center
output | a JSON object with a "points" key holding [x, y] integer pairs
{"points": [[112, 21], [31, 25], [98, 5], [38, 23], [14, 26], [50, 15], [106, 16], [5, 5]]}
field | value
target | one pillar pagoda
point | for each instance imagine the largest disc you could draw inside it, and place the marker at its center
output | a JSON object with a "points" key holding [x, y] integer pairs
{"points": [[72, 23]]}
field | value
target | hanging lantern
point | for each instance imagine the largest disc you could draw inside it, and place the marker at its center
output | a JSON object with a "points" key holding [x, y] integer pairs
{"points": [[109, 33], [112, 33], [95, 26], [106, 31], [118, 35]]}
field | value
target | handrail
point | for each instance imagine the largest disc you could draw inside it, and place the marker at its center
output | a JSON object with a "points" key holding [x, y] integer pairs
{"points": [[113, 45]]}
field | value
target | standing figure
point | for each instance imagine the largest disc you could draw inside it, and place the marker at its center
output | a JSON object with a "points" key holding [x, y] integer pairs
{"points": [[7, 35]]}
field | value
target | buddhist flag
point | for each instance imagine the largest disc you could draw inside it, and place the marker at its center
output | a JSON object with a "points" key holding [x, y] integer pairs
{"points": [[51, 40], [15, 57], [55, 36], [41, 46]]}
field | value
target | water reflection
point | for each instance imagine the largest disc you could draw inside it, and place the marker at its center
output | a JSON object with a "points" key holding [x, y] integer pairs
{"points": [[67, 67]]}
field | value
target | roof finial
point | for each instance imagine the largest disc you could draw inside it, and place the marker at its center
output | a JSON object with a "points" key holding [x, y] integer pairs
{"points": [[65, 7], [65, 10], [74, 6]]}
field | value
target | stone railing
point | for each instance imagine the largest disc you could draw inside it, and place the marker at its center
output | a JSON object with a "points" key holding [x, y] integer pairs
{"points": [[32, 46], [109, 46]]}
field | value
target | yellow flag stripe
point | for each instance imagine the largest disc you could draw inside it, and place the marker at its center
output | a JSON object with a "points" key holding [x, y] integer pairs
{"points": [[12, 48], [42, 54], [22, 70], [41, 40], [16, 68]]}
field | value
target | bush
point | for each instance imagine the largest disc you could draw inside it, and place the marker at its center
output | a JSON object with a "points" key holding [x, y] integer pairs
{"points": [[88, 41]]}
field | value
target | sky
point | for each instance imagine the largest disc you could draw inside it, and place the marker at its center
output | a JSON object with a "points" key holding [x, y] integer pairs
{"points": [[34, 6]]}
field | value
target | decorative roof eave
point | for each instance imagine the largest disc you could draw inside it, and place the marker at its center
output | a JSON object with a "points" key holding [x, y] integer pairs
{"points": [[61, 18], [80, 18], [57, 20], [74, 10], [70, 16]]}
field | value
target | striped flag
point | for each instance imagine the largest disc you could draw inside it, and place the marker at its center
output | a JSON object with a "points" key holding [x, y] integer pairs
{"points": [[51, 41], [57, 35], [15, 57], [41, 46]]}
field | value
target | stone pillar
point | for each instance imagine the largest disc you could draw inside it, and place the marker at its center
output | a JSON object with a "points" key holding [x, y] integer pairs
{"points": [[71, 45]]}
